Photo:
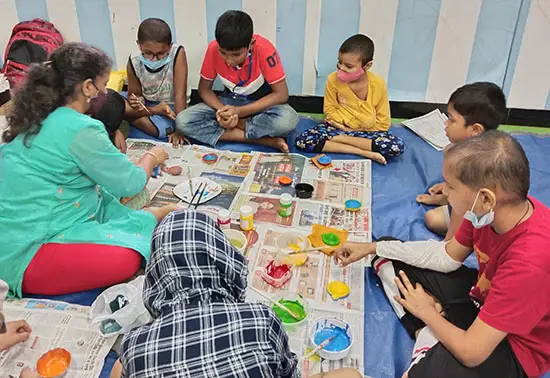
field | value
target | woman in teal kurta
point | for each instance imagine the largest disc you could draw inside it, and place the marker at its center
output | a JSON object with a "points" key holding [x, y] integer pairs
{"points": [[61, 178]]}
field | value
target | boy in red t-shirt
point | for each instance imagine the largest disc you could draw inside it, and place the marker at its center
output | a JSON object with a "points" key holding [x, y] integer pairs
{"points": [[252, 108], [491, 322]]}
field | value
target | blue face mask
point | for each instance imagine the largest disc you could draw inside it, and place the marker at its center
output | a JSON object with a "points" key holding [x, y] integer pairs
{"points": [[155, 64], [481, 221]]}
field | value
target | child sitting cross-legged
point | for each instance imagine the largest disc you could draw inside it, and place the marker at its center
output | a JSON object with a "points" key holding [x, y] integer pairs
{"points": [[356, 107], [157, 82], [488, 322], [472, 110], [253, 106]]}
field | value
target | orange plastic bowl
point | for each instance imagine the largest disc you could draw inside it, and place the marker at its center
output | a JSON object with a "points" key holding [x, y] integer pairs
{"points": [[54, 363]]}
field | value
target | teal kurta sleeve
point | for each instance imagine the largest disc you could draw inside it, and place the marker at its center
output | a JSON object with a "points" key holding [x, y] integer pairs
{"points": [[100, 160]]}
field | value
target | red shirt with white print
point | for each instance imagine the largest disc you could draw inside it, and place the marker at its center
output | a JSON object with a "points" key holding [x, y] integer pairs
{"points": [[513, 284], [261, 68]]}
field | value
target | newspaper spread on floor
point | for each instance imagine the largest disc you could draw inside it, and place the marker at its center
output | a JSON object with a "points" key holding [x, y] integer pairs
{"points": [[253, 179], [55, 325]]}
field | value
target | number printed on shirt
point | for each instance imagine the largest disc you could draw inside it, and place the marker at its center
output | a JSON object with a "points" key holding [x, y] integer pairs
{"points": [[273, 60]]}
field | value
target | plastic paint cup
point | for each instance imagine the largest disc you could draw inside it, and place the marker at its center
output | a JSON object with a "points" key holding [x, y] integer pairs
{"points": [[54, 363], [322, 329], [294, 303]]}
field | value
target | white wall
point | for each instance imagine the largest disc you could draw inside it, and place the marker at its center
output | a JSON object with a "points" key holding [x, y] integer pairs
{"points": [[424, 49]]}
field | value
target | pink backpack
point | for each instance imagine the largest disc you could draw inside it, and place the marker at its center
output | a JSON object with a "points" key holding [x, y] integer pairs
{"points": [[30, 42]]}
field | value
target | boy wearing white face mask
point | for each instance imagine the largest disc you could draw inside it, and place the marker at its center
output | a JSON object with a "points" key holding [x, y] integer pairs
{"points": [[356, 107], [494, 322], [157, 82]]}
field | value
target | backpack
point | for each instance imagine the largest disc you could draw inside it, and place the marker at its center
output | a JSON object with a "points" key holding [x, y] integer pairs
{"points": [[30, 42]]}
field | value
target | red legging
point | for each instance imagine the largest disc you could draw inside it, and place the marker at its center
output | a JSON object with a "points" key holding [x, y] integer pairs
{"points": [[58, 269]]}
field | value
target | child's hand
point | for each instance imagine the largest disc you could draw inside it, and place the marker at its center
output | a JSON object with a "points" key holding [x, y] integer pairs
{"points": [[340, 126], [415, 299], [228, 119], [136, 102], [177, 139], [165, 110], [437, 189], [16, 332], [160, 153], [351, 252], [227, 112], [120, 141]]}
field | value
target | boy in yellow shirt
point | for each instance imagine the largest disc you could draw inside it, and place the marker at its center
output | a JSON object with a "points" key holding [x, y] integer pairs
{"points": [[356, 107]]}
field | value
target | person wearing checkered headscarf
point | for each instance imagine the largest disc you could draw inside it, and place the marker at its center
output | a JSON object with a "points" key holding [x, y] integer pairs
{"points": [[194, 289]]}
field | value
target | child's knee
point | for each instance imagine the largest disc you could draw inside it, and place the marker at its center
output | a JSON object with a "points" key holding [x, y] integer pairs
{"points": [[435, 220], [285, 120]]}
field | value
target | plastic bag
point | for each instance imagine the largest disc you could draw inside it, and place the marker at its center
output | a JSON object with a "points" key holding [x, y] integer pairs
{"points": [[120, 308]]}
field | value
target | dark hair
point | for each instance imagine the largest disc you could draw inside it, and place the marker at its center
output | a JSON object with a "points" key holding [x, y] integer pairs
{"points": [[480, 102], [109, 110], [51, 85], [154, 30], [491, 159], [359, 44], [234, 30]]}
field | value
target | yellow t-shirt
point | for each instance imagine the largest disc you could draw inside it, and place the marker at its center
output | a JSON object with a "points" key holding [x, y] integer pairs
{"points": [[343, 106]]}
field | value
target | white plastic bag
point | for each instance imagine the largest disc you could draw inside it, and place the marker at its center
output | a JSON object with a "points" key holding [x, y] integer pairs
{"points": [[120, 308]]}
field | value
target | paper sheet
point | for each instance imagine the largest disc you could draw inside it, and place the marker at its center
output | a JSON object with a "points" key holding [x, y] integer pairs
{"points": [[55, 325], [253, 179], [431, 128]]}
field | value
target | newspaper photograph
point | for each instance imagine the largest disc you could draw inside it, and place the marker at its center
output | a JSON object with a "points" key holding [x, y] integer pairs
{"points": [[55, 325], [270, 167], [309, 213], [266, 209], [337, 192]]}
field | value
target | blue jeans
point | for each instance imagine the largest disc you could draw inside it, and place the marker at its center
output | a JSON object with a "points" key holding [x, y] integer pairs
{"points": [[199, 121], [164, 125]]}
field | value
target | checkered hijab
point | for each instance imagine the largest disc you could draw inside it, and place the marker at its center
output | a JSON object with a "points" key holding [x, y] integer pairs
{"points": [[194, 288]]}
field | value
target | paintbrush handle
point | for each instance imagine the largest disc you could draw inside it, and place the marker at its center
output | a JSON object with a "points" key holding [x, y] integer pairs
{"points": [[195, 195], [319, 347], [275, 303], [310, 250]]}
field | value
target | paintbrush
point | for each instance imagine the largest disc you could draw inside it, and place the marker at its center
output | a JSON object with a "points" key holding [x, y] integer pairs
{"points": [[275, 303], [200, 196], [141, 103], [319, 347], [190, 179], [309, 250], [195, 194]]}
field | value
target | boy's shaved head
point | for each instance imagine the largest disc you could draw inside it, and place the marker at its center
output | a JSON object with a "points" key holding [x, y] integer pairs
{"points": [[492, 159]]}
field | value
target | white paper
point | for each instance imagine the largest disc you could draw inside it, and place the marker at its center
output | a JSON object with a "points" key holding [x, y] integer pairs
{"points": [[431, 128], [260, 189], [55, 325]]}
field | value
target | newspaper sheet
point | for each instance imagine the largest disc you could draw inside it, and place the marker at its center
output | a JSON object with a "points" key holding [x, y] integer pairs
{"points": [[253, 179], [310, 281], [431, 128], [55, 325]]}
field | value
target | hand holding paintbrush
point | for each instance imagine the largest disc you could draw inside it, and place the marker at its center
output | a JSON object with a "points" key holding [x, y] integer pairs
{"points": [[137, 103]]}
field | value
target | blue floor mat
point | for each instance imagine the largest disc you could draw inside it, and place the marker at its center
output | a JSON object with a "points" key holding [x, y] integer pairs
{"points": [[395, 213]]}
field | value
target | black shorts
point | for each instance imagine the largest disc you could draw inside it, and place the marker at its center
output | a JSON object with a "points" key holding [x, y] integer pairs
{"points": [[452, 291]]}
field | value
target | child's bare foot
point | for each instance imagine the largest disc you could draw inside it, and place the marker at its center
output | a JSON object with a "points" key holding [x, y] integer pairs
{"points": [[375, 156], [274, 142], [426, 199], [429, 199]]}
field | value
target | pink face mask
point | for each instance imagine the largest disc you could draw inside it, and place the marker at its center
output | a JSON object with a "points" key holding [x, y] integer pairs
{"points": [[347, 77]]}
